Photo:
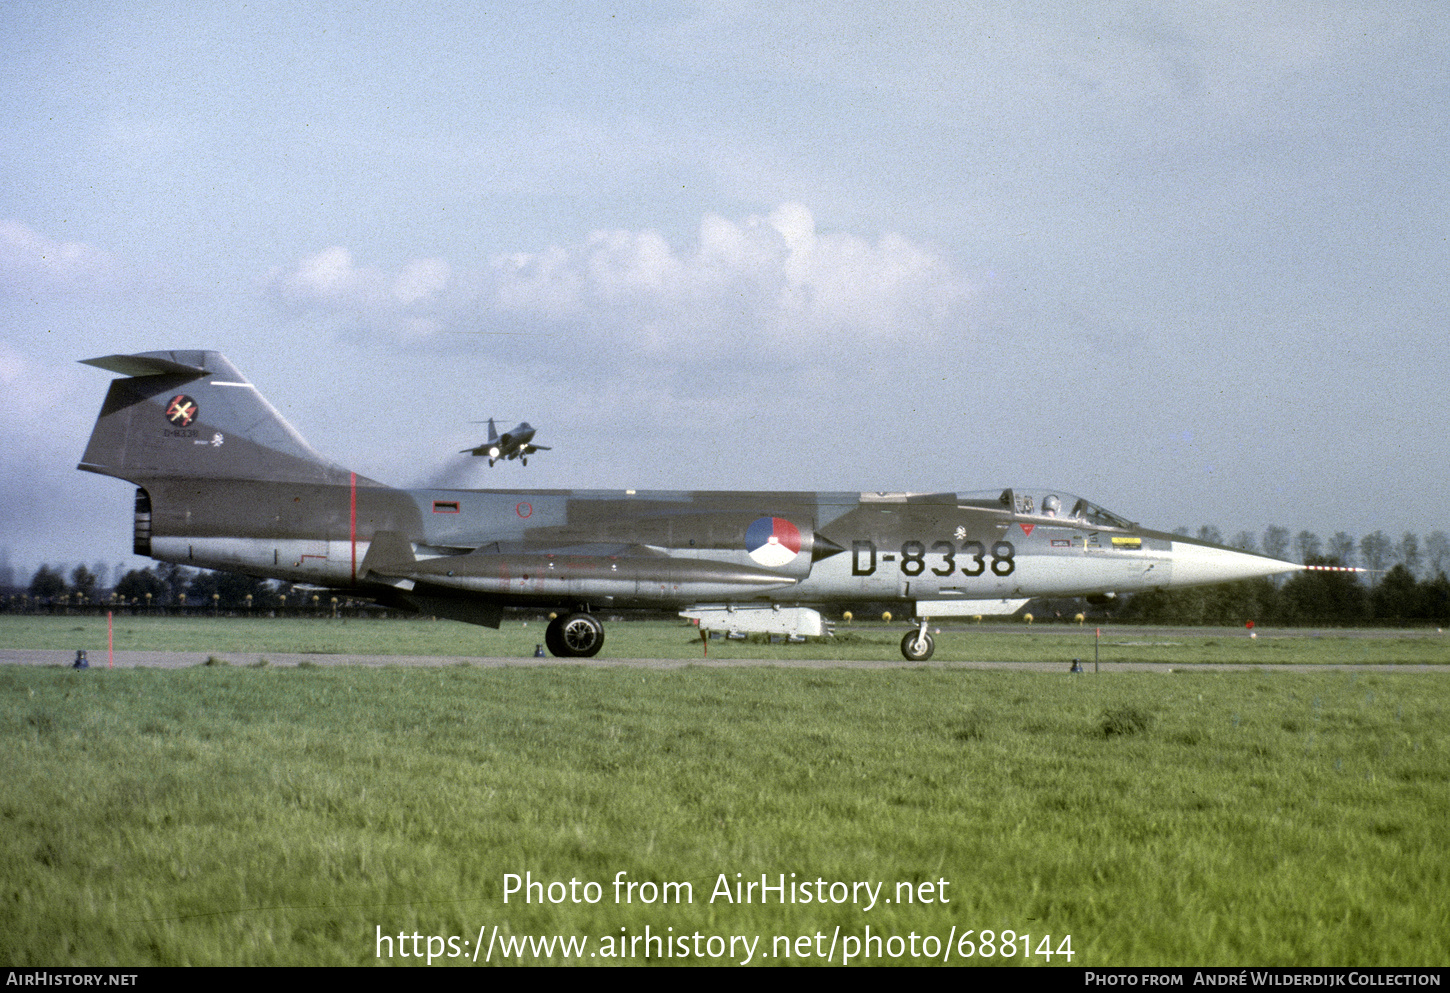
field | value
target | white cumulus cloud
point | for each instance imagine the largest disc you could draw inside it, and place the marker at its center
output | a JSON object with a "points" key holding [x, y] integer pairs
{"points": [[331, 278], [770, 276], [771, 279]]}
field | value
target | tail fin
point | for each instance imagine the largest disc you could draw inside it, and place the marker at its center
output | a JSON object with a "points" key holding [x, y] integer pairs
{"points": [[193, 414], [492, 431]]}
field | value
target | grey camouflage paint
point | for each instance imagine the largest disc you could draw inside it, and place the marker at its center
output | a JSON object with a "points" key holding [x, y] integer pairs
{"points": [[225, 483]]}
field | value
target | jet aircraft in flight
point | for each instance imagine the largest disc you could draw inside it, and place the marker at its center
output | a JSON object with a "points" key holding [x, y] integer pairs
{"points": [[515, 443], [223, 482]]}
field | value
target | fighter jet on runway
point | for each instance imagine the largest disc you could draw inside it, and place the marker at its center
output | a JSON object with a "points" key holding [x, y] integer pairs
{"points": [[515, 443], [225, 483]]}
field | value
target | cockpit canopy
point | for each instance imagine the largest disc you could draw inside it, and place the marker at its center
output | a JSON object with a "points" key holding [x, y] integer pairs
{"points": [[1046, 503]]}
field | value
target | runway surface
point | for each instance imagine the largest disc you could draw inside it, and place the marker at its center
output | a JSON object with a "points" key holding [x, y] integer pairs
{"points": [[184, 660]]}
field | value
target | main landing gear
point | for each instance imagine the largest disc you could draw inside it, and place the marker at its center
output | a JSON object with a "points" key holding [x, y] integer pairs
{"points": [[578, 636], [917, 645]]}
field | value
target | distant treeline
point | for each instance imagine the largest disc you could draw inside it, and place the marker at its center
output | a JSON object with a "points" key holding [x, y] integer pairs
{"points": [[1376, 552], [173, 589], [1335, 599], [1405, 583]]}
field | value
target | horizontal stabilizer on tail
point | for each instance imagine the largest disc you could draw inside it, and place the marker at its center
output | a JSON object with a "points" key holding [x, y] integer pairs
{"points": [[193, 415], [146, 365]]}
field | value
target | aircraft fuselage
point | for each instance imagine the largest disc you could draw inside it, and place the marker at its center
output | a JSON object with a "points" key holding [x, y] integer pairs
{"points": [[225, 483], [658, 549]]}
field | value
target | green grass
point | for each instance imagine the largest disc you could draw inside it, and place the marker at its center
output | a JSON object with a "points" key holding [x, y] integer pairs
{"points": [[225, 814], [676, 640]]}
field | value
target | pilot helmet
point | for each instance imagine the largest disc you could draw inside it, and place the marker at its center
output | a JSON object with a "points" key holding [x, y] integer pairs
{"points": [[1051, 504]]}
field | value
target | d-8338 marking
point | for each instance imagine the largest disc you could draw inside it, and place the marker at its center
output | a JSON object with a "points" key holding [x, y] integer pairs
{"points": [[913, 558]]}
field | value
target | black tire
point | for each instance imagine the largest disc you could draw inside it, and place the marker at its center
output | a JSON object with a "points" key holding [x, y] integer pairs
{"points": [[917, 650], [580, 636]]}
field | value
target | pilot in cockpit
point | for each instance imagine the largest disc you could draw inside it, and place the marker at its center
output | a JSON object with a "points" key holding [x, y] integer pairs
{"points": [[1051, 505]]}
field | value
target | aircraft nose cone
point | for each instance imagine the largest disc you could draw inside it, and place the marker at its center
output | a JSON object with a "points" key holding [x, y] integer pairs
{"points": [[1194, 564]]}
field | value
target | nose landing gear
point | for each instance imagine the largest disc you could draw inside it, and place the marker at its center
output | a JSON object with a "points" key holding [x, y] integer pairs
{"points": [[918, 645]]}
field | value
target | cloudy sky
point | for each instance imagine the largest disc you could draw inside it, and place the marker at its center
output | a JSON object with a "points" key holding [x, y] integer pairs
{"points": [[1188, 260]]}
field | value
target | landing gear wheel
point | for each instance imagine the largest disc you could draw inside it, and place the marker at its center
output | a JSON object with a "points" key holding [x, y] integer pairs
{"points": [[917, 647], [583, 635], [578, 636]]}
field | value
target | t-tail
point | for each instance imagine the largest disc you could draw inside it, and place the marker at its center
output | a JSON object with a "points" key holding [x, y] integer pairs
{"points": [[193, 414], [223, 481]]}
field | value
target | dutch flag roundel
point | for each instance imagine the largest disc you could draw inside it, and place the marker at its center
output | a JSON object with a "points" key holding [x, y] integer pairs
{"points": [[773, 541]]}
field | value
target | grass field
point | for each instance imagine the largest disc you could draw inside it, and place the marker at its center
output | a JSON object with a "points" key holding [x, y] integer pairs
{"points": [[222, 814], [676, 640]]}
